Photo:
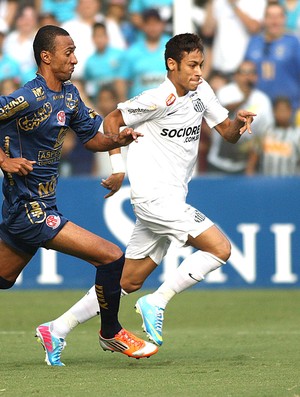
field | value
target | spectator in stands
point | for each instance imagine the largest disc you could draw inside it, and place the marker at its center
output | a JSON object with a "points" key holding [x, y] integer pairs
{"points": [[103, 67], [292, 14], [8, 86], [278, 151], [8, 11], [231, 23], [240, 94], [143, 66], [47, 19], [9, 67], [136, 8], [277, 57], [217, 80], [117, 25], [106, 102], [62, 10], [81, 28], [18, 43]]}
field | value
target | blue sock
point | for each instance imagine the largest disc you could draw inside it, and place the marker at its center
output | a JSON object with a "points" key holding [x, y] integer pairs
{"points": [[108, 291]]}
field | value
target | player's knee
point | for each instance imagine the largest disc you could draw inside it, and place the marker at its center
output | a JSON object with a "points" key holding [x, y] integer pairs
{"points": [[224, 250], [129, 285], [5, 284], [113, 255]]}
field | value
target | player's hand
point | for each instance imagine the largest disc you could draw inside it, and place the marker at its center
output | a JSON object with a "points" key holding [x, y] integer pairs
{"points": [[247, 118], [19, 165], [127, 136], [113, 183]]}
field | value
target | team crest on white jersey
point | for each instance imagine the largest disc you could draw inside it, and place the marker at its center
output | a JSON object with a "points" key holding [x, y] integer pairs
{"points": [[170, 100], [61, 117], [199, 217], [198, 105]]}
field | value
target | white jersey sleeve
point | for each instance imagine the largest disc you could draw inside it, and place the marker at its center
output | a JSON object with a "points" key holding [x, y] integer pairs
{"points": [[141, 108]]}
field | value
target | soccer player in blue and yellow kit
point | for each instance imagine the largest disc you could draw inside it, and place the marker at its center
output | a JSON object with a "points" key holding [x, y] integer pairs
{"points": [[34, 121]]}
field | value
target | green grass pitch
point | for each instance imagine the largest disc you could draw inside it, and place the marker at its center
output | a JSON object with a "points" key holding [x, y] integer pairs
{"points": [[239, 343]]}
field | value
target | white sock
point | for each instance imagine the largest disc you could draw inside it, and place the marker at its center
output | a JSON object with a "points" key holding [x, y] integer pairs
{"points": [[86, 308], [192, 270]]}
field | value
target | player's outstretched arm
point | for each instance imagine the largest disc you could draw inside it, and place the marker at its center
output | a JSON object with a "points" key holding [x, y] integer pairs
{"points": [[112, 138], [232, 130]]}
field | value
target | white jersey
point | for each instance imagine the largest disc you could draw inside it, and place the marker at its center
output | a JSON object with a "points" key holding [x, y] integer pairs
{"points": [[232, 37], [161, 163]]}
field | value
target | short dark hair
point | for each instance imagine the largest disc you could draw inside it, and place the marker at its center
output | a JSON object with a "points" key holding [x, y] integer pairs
{"points": [[151, 13], [282, 99], [181, 43], [45, 40], [99, 25]]}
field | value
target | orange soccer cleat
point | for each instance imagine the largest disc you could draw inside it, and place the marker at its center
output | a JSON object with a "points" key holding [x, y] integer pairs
{"points": [[127, 343]]}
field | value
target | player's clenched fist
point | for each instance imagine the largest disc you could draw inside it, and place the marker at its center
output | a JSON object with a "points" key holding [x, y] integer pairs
{"points": [[20, 165]]}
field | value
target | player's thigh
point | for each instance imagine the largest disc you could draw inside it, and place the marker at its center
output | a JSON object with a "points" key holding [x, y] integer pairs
{"points": [[135, 272], [12, 262], [144, 253], [76, 241], [212, 240]]}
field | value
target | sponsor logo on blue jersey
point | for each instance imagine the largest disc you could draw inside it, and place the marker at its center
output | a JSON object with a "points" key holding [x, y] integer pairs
{"points": [[13, 107], [39, 93], [28, 123]]}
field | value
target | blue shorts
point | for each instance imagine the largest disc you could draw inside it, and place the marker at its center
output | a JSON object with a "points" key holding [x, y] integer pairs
{"points": [[28, 225]]}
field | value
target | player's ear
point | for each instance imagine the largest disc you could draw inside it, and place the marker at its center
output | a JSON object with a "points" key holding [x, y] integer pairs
{"points": [[171, 63], [46, 57]]}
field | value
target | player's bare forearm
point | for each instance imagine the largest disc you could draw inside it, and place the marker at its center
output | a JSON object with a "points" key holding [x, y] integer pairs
{"points": [[112, 138], [125, 137], [113, 121], [232, 130]]}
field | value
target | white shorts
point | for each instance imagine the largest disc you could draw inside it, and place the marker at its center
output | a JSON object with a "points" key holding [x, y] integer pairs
{"points": [[161, 222]]}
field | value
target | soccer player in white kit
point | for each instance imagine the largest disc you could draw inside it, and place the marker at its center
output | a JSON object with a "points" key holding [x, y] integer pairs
{"points": [[160, 167]]}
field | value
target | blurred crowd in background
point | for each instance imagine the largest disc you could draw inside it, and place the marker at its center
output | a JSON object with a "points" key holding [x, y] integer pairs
{"points": [[252, 61]]}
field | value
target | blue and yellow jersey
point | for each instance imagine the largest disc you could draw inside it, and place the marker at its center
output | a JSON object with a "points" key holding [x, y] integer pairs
{"points": [[33, 124]]}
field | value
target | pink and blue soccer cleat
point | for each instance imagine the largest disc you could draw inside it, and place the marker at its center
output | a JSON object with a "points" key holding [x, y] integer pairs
{"points": [[52, 345]]}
